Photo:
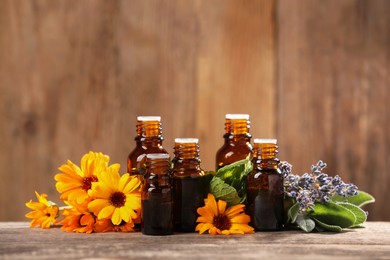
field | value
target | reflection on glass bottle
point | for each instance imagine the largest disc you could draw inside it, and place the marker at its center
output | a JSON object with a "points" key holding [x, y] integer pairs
{"points": [[148, 140], [237, 144]]}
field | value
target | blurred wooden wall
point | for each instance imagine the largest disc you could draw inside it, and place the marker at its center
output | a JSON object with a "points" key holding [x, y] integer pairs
{"points": [[75, 74]]}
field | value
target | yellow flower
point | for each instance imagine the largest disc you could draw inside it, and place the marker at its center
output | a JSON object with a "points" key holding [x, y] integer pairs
{"points": [[217, 220], [116, 198], [73, 183], [78, 219], [44, 212]]}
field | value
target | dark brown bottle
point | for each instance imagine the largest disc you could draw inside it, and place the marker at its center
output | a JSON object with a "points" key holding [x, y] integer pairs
{"points": [[189, 187], [237, 144], [157, 196], [265, 187], [148, 140]]}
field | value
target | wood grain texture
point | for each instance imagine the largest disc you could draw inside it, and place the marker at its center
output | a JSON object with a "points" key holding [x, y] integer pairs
{"points": [[74, 76], [236, 70], [19, 242], [333, 78]]}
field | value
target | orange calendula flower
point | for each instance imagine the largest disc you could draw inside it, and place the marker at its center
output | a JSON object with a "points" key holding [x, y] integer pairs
{"points": [[74, 182], [105, 225], [215, 218], [44, 212], [116, 198], [78, 219]]}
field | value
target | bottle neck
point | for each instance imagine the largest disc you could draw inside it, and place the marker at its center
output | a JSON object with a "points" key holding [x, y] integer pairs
{"points": [[149, 130], [186, 156], [186, 151], [237, 127], [265, 156], [157, 166], [237, 139]]}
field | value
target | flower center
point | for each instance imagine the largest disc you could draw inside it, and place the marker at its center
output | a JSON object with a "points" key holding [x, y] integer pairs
{"points": [[222, 222], [87, 182], [118, 199]]}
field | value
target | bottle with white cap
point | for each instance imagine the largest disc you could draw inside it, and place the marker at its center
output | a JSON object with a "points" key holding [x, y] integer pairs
{"points": [[189, 187], [148, 140], [265, 187], [157, 196], [237, 144]]}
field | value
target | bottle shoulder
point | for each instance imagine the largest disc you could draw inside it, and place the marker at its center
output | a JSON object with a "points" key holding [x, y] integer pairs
{"points": [[181, 172], [257, 171], [143, 150]]}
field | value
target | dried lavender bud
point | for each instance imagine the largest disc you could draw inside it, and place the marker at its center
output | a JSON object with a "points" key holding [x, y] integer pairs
{"points": [[285, 168], [318, 167], [306, 181], [314, 187]]}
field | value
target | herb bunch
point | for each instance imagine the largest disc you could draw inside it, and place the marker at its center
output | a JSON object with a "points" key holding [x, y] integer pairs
{"points": [[314, 187], [321, 202]]}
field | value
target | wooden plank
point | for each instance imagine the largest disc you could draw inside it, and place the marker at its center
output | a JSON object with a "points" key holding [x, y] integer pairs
{"points": [[19, 242], [333, 67], [236, 70], [74, 76]]}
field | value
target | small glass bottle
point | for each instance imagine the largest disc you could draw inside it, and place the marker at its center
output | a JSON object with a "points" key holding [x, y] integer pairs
{"points": [[157, 196], [148, 140], [265, 187], [189, 187], [237, 144]]}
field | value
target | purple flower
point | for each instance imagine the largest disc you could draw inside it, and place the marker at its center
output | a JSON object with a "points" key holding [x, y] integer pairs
{"points": [[314, 187]]}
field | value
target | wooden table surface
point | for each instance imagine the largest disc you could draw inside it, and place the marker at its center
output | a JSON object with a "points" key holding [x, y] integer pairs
{"points": [[18, 241]]}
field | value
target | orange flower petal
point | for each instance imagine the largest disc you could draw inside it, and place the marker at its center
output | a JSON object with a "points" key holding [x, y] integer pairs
{"points": [[221, 206], [203, 227], [240, 219], [234, 210], [210, 202], [243, 227]]}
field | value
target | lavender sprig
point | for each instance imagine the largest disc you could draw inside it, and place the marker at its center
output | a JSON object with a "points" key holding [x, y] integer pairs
{"points": [[313, 187]]}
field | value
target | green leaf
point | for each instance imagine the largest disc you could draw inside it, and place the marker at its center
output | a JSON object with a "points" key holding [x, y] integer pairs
{"points": [[208, 176], [293, 213], [333, 214], [235, 171], [224, 191], [361, 199], [235, 175], [305, 223], [360, 215], [319, 228], [327, 227]]}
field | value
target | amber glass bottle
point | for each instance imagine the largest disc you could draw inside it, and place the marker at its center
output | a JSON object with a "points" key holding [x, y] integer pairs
{"points": [[237, 144], [189, 187], [148, 140], [157, 196], [265, 187]]}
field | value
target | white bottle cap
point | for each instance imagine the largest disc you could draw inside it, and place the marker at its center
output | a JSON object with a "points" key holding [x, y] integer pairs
{"points": [[237, 116], [186, 140], [265, 141], [149, 118]]}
